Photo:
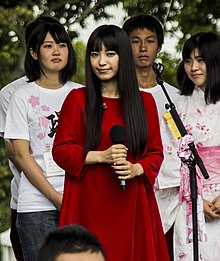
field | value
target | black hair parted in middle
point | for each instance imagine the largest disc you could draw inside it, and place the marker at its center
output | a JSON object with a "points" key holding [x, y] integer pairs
{"points": [[36, 22], [113, 38], [36, 39], [208, 45]]}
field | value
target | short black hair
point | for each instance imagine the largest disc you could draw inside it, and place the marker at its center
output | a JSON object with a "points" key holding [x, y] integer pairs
{"points": [[142, 21], [34, 42], [37, 21], [208, 45], [69, 240]]}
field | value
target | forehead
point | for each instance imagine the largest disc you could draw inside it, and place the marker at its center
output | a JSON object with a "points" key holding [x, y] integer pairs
{"points": [[48, 37], [142, 33], [102, 47], [84, 256], [195, 53]]}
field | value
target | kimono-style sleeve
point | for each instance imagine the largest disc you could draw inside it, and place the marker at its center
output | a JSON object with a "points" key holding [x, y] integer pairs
{"points": [[70, 134], [153, 157]]}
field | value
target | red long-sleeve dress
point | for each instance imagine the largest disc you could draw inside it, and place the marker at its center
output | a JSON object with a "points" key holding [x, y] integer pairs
{"points": [[127, 223]]}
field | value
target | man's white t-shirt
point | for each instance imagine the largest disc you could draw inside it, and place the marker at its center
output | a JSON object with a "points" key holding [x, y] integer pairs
{"points": [[33, 115], [5, 95], [160, 97]]}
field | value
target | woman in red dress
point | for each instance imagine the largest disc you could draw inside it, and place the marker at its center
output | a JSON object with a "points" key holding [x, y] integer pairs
{"points": [[127, 222]]}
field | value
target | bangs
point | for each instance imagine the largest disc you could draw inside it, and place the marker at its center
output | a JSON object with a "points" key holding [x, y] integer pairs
{"points": [[105, 37], [191, 44], [188, 50], [58, 34], [37, 37]]}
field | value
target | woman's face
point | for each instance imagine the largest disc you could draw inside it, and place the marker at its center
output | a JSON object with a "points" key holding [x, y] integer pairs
{"points": [[195, 68], [105, 64], [53, 57]]}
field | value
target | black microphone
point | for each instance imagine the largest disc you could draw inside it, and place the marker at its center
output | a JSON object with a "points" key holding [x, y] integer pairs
{"points": [[158, 68], [118, 136]]}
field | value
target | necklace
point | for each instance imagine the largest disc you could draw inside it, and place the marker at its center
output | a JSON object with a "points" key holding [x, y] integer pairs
{"points": [[104, 106]]}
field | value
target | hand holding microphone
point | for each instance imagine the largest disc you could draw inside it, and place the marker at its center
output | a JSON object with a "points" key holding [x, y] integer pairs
{"points": [[118, 136], [123, 167]]}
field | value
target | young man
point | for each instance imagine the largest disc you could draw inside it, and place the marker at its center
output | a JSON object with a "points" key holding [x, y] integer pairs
{"points": [[71, 243], [147, 36]]}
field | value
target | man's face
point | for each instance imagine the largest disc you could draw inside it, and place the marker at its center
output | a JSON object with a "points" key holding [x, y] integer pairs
{"points": [[145, 47], [86, 256]]}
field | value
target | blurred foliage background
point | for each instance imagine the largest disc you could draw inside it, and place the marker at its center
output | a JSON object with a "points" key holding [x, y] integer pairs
{"points": [[180, 18]]}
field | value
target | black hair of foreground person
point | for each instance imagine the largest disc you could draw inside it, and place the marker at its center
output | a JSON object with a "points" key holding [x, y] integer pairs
{"points": [[71, 239]]}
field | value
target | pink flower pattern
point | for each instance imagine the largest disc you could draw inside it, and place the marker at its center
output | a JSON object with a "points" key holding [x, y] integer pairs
{"points": [[41, 136], [34, 101], [45, 108], [202, 122], [184, 153], [42, 120]]}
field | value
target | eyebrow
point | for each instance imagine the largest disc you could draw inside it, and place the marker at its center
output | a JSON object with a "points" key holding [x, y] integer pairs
{"points": [[197, 56], [48, 41], [149, 36]]}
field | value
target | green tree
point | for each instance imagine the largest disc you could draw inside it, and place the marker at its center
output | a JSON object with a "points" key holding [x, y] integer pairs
{"points": [[14, 15], [80, 49], [12, 42], [180, 17]]}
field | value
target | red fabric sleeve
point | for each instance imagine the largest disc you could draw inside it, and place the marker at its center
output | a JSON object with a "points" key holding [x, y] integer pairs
{"points": [[153, 157], [70, 135]]}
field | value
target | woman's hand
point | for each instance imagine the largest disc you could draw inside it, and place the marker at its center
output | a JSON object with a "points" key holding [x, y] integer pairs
{"points": [[114, 153], [57, 200], [126, 170], [210, 215], [216, 205]]}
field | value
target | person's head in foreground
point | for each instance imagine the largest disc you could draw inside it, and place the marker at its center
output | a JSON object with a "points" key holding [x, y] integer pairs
{"points": [[71, 243]]}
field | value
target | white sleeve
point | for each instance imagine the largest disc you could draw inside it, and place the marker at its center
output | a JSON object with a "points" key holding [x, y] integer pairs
{"points": [[4, 102], [17, 126], [5, 96], [169, 174]]}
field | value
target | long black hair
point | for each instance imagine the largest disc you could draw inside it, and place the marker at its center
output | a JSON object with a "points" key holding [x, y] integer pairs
{"points": [[208, 44], [115, 39]]}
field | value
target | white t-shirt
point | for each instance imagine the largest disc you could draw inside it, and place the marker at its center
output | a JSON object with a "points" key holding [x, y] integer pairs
{"points": [[5, 95], [161, 101], [32, 115], [160, 97]]}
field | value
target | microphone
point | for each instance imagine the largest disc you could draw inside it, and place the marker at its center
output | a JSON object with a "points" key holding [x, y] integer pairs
{"points": [[118, 136], [158, 68]]}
